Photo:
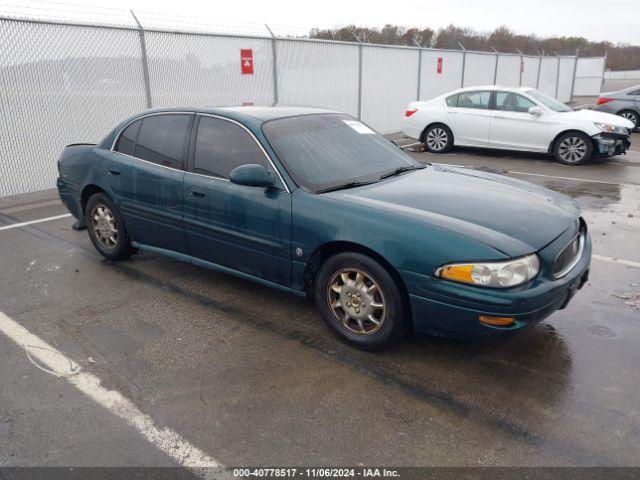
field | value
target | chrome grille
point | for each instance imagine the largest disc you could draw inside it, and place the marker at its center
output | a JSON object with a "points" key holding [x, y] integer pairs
{"points": [[570, 255]]}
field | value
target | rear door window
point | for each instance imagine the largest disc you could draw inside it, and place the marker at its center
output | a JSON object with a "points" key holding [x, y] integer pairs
{"points": [[163, 139], [222, 146], [479, 99]]}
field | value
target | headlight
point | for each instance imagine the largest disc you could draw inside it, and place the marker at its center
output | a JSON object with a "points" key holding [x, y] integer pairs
{"points": [[492, 274], [606, 127]]}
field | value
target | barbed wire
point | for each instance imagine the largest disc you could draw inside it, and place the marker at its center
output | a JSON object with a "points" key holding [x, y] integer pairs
{"points": [[71, 12]]}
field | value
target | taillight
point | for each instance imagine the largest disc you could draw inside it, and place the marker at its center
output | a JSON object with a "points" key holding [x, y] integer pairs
{"points": [[602, 100], [410, 112]]}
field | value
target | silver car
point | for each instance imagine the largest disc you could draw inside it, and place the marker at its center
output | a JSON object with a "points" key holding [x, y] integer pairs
{"points": [[625, 103]]}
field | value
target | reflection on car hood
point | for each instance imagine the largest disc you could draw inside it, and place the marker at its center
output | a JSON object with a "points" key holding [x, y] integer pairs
{"points": [[600, 117], [510, 215]]}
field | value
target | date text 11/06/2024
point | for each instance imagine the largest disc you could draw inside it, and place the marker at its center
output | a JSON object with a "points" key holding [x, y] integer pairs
{"points": [[316, 472]]}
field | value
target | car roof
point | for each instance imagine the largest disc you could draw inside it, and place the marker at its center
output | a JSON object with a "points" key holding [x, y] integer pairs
{"points": [[251, 117], [628, 89], [491, 88], [248, 112]]}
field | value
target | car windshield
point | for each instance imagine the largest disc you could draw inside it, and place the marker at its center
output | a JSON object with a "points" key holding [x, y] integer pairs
{"points": [[548, 101], [328, 151]]}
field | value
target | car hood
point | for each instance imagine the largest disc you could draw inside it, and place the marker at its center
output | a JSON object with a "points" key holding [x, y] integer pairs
{"points": [[600, 117], [512, 216]]}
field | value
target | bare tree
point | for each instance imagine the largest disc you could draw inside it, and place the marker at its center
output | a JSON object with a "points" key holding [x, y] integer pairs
{"points": [[620, 56]]}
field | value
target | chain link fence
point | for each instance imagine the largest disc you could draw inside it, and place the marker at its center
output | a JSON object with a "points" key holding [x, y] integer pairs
{"points": [[62, 83]]}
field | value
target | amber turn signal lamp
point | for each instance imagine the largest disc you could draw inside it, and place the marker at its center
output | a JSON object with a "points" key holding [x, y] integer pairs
{"points": [[497, 321]]}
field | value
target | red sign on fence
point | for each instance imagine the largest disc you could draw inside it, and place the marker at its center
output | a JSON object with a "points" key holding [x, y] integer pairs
{"points": [[439, 67], [246, 61]]}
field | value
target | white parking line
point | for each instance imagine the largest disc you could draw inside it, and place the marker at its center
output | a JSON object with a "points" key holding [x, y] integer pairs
{"points": [[628, 263], [410, 145], [31, 222], [165, 439]]}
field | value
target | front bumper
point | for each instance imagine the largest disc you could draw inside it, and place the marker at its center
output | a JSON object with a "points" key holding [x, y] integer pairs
{"points": [[609, 144], [448, 309]]}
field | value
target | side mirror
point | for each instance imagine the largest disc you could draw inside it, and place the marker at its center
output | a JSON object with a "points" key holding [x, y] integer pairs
{"points": [[536, 111], [252, 175]]}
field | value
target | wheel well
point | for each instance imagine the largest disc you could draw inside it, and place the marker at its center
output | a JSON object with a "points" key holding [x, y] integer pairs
{"points": [[571, 130], [86, 194], [431, 125], [330, 249]]}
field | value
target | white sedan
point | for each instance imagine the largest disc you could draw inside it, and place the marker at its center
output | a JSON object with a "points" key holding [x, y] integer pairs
{"points": [[515, 119]]}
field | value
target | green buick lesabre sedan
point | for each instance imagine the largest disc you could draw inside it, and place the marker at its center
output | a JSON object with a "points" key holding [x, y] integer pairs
{"points": [[316, 203]]}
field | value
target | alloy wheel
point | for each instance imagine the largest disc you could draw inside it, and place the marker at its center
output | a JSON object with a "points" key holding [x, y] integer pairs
{"points": [[437, 139], [356, 300], [572, 149], [104, 226], [632, 117]]}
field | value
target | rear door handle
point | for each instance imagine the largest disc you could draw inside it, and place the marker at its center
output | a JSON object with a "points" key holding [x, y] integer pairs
{"points": [[196, 193], [113, 171], [498, 116]]}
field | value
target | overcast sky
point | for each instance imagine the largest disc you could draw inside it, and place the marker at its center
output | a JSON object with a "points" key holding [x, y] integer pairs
{"points": [[617, 21]]}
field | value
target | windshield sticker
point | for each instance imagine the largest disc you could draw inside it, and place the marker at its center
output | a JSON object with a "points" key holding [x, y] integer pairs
{"points": [[359, 127]]}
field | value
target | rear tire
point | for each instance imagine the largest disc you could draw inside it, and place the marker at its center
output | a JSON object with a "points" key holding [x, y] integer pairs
{"points": [[106, 228], [360, 301], [573, 148], [631, 116], [437, 138]]}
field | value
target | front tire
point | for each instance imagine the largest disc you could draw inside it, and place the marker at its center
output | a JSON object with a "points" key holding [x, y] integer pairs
{"points": [[360, 301], [631, 116], [438, 138], [573, 148], [106, 228]]}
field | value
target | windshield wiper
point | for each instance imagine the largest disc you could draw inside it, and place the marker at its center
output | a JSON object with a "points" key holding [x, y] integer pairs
{"points": [[399, 170], [344, 186]]}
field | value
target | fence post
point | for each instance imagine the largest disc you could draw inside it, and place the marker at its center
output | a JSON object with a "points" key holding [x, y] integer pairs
{"points": [[464, 61], [419, 68], [557, 75], [521, 67], [541, 54], [359, 75], [495, 68], [604, 69], [274, 60], [145, 61], [575, 69]]}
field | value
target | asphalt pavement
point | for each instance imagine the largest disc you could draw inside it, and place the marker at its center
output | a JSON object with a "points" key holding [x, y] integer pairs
{"points": [[194, 364]]}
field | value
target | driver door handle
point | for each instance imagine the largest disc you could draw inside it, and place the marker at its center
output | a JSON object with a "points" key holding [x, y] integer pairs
{"points": [[113, 171], [196, 192]]}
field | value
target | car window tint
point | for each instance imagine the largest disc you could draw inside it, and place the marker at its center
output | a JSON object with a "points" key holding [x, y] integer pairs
{"points": [[222, 146], [127, 140], [474, 99], [452, 101], [635, 93], [162, 139], [512, 102]]}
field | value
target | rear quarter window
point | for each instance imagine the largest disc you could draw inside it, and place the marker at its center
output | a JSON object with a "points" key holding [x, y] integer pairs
{"points": [[127, 140], [452, 101]]}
